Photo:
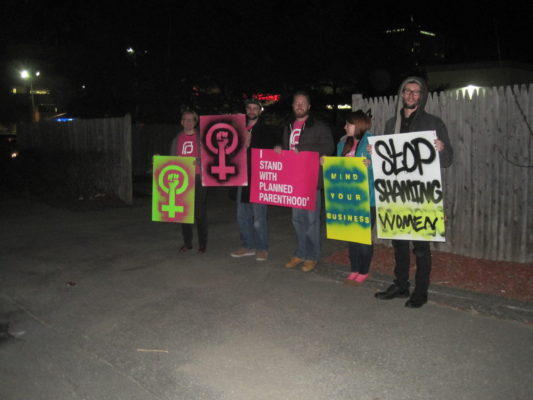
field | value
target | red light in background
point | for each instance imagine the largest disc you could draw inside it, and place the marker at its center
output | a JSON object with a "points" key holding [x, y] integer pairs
{"points": [[267, 97]]}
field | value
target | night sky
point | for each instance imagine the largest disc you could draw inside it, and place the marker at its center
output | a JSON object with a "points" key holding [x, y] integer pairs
{"points": [[237, 46]]}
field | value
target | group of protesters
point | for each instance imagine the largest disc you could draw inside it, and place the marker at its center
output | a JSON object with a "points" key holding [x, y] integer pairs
{"points": [[303, 132]]}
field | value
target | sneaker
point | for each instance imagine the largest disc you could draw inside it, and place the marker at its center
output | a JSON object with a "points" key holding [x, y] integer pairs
{"points": [[350, 279], [261, 255], [309, 265], [242, 253], [361, 278], [293, 262]]}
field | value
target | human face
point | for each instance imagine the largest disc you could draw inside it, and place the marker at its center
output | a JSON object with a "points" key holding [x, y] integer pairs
{"points": [[188, 122], [253, 111], [411, 95], [349, 129], [300, 106]]}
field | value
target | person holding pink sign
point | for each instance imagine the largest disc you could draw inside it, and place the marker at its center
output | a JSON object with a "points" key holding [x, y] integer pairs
{"points": [[186, 144], [252, 217], [305, 133], [354, 144]]}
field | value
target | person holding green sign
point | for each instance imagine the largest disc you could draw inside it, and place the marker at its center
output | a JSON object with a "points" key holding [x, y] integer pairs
{"points": [[355, 144], [187, 144]]}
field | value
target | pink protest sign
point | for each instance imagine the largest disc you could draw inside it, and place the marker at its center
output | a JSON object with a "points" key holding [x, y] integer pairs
{"points": [[223, 150], [288, 179]]}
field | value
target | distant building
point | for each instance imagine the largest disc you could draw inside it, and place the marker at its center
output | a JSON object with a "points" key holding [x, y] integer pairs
{"points": [[402, 51], [412, 42], [38, 99]]}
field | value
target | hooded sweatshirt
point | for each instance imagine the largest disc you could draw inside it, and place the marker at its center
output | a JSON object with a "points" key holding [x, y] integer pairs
{"points": [[421, 121], [361, 151]]}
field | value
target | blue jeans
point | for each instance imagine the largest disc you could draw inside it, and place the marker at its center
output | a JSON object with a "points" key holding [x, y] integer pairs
{"points": [[307, 226], [252, 219], [361, 254]]}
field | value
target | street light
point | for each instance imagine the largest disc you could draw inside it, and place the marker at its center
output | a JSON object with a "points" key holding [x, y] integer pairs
{"points": [[27, 75]]}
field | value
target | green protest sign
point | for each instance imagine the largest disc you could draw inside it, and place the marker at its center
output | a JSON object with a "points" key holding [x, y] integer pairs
{"points": [[347, 199], [173, 189]]}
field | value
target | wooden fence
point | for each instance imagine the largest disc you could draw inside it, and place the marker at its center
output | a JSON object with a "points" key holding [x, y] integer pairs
{"points": [[106, 140], [148, 140], [489, 187]]}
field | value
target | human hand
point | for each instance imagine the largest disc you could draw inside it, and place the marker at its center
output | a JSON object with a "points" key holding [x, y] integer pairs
{"points": [[439, 145], [369, 149], [277, 149]]}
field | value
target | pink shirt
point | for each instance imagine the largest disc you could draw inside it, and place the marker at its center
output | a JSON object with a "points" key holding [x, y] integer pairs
{"points": [[187, 146], [295, 134], [351, 153]]}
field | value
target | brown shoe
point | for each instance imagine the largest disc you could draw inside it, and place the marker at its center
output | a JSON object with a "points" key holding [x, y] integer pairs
{"points": [[293, 262], [261, 255], [242, 253], [309, 265], [184, 248]]}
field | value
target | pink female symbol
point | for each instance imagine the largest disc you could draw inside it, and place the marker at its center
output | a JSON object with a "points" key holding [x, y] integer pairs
{"points": [[222, 131], [173, 180]]}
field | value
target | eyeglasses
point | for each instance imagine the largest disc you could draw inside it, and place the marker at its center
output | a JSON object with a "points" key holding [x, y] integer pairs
{"points": [[407, 92]]}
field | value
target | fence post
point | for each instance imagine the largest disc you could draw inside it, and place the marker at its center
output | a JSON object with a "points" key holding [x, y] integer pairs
{"points": [[357, 102], [126, 179]]}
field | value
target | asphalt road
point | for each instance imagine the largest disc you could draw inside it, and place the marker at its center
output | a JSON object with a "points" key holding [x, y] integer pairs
{"points": [[102, 306]]}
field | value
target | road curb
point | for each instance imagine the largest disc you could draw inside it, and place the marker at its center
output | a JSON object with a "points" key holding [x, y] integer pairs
{"points": [[478, 303]]}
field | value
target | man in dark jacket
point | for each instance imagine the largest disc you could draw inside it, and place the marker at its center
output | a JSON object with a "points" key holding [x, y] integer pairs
{"points": [[411, 117], [305, 133], [252, 217]]}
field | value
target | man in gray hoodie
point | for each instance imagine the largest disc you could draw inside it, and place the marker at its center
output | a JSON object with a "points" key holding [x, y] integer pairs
{"points": [[411, 117]]}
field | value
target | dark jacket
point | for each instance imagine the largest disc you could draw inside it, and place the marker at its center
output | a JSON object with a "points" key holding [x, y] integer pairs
{"points": [[263, 137], [362, 151], [315, 136], [422, 121]]}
